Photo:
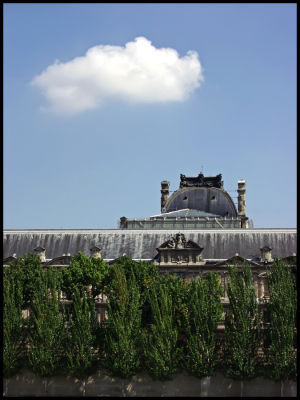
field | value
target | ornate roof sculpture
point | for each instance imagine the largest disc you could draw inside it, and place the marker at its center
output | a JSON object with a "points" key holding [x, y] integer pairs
{"points": [[179, 242], [201, 181], [178, 250]]}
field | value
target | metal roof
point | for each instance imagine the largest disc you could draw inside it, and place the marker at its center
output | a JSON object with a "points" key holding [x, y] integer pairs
{"points": [[142, 244]]}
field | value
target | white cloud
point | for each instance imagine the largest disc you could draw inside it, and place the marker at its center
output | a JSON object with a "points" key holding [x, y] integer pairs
{"points": [[138, 72]]}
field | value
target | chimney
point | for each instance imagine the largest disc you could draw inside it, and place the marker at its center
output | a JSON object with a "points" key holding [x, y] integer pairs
{"points": [[41, 252], [242, 198], [95, 252], [164, 193], [242, 203], [266, 254]]}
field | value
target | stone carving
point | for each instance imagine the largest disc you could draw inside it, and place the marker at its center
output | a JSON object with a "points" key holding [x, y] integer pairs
{"points": [[178, 250], [171, 243], [179, 242], [201, 180], [179, 259]]}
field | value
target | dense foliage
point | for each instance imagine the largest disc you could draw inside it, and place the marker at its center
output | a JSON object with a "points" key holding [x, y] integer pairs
{"points": [[85, 273], [28, 270], [282, 309], [46, 326], [204, 315], [121, 343], [12, 322], [161, 353], [145, 274], [81, 335], [242, 325], [157, 323]]}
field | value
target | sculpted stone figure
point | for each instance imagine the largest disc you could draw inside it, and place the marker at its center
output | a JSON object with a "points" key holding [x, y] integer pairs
{"points": [[180, 239], [171, 243], [201, 180]]}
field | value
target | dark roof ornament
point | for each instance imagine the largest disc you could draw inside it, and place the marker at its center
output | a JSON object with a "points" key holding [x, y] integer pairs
{"points": [[179, 242], [95, 248], [201, 181], [39, 249]]}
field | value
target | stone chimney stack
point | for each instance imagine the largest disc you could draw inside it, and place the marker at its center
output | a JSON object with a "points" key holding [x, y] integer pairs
{"points": [[95, 252], [242, 198], [164, 193], [242, 203], [266, 254], [41, 252]]}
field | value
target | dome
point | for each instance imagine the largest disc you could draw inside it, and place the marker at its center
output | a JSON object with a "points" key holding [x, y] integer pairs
{"points": [[210, 200]]}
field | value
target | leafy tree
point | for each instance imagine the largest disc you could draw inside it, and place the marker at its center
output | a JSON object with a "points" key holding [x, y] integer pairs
{"points": [[80, 345], [144, 271], [145, 274], [28, 269], [46, 326], [84, 272], [179, 291], [121, 344], [162, 356], [204, 314], [282, 309], [13, 333], [242, 325]]}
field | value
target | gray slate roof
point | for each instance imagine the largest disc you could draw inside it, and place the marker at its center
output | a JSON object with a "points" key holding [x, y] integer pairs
{"points": [[142, 244]]}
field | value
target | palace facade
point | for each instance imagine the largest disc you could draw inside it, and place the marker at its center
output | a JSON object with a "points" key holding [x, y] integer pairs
{"points": [[198, 230]]}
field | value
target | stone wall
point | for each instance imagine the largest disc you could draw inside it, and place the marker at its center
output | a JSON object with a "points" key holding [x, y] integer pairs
{"points": [[27, 384]]}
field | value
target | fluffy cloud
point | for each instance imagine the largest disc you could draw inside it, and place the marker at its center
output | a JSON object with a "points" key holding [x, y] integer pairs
{"points": [[138, 72]]}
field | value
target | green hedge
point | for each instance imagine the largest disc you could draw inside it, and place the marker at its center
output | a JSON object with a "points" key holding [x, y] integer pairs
{"points": [[161, 324]]}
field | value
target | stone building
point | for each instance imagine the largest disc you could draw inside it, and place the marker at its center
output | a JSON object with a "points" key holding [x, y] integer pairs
{"points": [[199, 203], [198, 230]]}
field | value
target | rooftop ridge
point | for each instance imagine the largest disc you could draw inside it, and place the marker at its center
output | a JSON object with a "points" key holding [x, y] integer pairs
{"points": [[129, 231]]}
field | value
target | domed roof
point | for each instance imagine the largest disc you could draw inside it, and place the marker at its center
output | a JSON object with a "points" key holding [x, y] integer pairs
{"points": [[203, 194]]}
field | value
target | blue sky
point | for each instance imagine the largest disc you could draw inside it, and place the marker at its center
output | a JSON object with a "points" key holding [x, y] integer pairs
{"points": [[84, 157]]}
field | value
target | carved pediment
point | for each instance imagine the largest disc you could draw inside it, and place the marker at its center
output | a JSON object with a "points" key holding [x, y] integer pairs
{"points": [[178, 250], [178, 242]]}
